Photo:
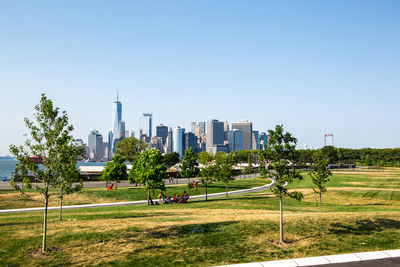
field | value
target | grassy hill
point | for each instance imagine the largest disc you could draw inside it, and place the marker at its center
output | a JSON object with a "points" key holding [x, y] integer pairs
{"points": [[360, 213]]}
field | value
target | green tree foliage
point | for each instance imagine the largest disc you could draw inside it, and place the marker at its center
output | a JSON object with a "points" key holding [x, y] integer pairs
{"points": [[189, 167], [386, 157], [330, 153], [150, 170], [320, 174], [207, 171], [130, 148], [48, 136], [280, 155], [224, 168], [65, 169], [242, 156], [171, 159], [115, 170]]}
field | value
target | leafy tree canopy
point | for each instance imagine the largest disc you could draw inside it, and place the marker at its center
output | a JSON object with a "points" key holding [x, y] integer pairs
{"points": [[130, 148], [171, 159], [189, 167]]}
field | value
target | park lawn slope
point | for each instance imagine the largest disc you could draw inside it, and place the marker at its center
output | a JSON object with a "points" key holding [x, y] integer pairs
{"points": [[10, 199], [225, 230]]}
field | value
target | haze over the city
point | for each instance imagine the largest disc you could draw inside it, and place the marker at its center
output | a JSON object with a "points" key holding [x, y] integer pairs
{"points": [[316, 67]]}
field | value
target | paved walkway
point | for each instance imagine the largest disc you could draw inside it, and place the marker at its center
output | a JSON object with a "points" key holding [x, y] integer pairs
{"points": [[254, 189], [373, 259]]}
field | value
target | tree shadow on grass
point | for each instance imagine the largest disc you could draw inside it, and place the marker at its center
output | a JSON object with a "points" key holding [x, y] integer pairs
{"points": [[363, 227], [207, 234]]}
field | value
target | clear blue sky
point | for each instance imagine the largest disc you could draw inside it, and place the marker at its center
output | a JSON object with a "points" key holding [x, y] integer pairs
{"points": [[315, 66]]}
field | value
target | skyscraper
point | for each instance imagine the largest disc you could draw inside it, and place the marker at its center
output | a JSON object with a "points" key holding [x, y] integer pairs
{"points": [[162, 131], [255, 140], [146, 125], [117, 117], [178, 140], [235, 140], [263, 140], [110, 145], [198, 128], [122, 129], [95, 144], [226, 130], [247, 128], [191, 141], [168, 143], [215, 133]]}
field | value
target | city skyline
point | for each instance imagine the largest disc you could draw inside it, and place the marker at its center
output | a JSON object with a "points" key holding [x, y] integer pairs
{"points": [[315, 67]]}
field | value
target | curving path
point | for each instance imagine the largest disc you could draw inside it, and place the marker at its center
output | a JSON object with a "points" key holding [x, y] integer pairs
{"points": [[236, 192]]}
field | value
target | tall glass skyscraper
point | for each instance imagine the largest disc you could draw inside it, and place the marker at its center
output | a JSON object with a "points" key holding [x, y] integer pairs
{"points": [[147, 125], [178, 140], [117, 117]]}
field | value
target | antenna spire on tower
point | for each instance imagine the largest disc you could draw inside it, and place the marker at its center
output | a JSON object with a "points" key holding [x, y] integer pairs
{"points": [[117, 95]]}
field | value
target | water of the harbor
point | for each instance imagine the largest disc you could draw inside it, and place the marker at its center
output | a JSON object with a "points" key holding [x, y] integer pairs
{"points": [[7, 166]]}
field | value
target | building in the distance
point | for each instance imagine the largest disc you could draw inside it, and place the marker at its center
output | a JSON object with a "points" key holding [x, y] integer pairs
{"points": [[263, 140], [168, 142], [218, 148], [110, 145], [162, 131], [117, 117], [247, 129], [130, 133], [122, 129], [178, 140], [215, 133], [235, 140], [95, 144], [255, 140], [191, 142], [198, 128], [226, 130], [147, 125]]}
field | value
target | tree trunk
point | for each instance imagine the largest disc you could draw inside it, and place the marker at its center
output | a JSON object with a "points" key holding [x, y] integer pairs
{"points": [[320, 198], [61, 201], [226, 189], [46, 204], [315, 198], [206, 191], [116, 185], [281, 222], [148, 197]]}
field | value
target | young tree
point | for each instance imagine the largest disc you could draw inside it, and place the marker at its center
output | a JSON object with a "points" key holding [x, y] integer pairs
{"points": [[189, 167], [249, 168], [279, 155], [115, 170], [150, 170], [47, 134], [320, 174], [208, 170], [224, 168], [65, 170], [130, 148]]}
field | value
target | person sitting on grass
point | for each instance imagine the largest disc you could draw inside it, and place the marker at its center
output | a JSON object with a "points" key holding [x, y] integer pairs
{"points": [[175, 198], [161, 198], [185, 197]]}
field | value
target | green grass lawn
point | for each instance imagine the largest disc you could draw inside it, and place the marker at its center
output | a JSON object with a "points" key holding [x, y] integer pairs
{"points": [[226, 230], [10, 199]]}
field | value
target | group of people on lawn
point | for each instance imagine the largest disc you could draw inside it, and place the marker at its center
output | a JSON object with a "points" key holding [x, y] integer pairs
{"points": [[175, 199]]}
